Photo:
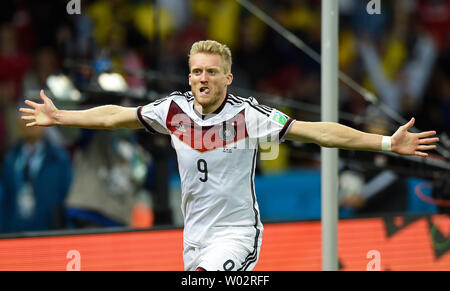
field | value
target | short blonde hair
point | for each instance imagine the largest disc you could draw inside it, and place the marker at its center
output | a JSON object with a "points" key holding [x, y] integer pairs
{"points": [[213, 47]]}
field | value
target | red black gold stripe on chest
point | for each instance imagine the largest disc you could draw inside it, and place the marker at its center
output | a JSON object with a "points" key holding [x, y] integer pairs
{"points": [[205, 138]]}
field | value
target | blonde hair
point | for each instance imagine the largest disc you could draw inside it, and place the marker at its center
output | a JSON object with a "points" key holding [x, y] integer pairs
{"points": [[213, 47]]}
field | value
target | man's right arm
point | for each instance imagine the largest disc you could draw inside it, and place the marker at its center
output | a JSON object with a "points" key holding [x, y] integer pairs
{"points": [[102, 117]]}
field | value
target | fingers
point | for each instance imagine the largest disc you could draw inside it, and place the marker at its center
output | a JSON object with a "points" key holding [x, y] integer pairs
{"points": [[34, 104], [426, 148], [426, 134], [42, 94], [420, 154], [31, 117], [428, 140], [27, 110], [423, 147], [410, 123], [31, 103], [28, 117]]}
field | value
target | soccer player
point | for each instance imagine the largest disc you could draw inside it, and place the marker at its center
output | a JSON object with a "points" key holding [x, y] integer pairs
{"points": [[215, 135]]}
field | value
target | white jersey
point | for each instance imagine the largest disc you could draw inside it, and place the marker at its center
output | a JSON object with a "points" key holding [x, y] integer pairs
{"points": [[216, 158]]}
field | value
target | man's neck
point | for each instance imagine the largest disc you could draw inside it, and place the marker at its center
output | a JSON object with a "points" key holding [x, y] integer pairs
{"points": [[209, 109]]}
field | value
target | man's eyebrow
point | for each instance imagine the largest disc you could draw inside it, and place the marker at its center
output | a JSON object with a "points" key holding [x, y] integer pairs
{"points": [[209, 67]]}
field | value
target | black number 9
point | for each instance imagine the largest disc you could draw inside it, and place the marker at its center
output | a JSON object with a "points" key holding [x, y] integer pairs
{"points": [[203, 168]]}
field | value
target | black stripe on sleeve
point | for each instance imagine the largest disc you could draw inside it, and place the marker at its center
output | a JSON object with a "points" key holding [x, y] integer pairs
{"points": [[258, 109], [285, 128], [142, 120], [157, 102], [266, 107], [233, 98], [176, 93], [254, 106], [268, 111]]}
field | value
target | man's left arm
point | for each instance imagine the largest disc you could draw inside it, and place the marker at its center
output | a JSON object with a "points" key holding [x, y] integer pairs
{"points": [[335, 135]]}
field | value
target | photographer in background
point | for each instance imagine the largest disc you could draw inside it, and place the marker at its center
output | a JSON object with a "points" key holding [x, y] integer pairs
{"points": [[33, 194]]}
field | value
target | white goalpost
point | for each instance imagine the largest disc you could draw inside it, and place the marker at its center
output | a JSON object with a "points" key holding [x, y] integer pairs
{"points": [[329, 113]]}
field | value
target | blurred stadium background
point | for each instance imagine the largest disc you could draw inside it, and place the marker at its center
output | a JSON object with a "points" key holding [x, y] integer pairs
{"points": [[114, 197]]}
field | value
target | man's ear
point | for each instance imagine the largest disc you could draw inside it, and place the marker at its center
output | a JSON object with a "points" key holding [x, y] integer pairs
{"points": [[189, 79], [229, 79]]}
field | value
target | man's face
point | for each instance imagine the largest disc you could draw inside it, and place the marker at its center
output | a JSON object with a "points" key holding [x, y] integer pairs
{"points": [[208, 80]]}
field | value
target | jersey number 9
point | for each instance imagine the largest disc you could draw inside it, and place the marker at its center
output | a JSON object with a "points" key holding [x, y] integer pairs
{"points": [[202, 167]]}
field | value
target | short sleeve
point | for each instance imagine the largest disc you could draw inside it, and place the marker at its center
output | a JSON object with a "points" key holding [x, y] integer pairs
{"points": [[153, 116], [266, 124]]}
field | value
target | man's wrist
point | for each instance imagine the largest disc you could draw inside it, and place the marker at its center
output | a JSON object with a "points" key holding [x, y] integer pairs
{"points": [[58, 116], [386, 144]]}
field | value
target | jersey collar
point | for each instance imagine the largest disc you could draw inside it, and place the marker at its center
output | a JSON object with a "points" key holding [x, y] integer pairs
{"points": [[212, 114]]}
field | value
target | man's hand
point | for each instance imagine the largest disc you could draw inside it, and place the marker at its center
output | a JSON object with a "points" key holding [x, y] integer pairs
{"points": [[408, 143], [44, 114]]}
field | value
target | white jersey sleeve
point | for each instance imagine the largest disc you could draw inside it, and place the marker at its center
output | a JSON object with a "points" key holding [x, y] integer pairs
{"points": [[153, 116], [266, 124]]}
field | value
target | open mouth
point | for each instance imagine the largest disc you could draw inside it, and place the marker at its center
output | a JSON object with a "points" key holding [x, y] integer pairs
{"points": [[204, 90]]}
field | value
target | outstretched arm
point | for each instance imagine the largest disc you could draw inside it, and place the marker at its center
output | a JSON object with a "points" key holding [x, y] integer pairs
{"points": [[335, 135], [102, 117]]}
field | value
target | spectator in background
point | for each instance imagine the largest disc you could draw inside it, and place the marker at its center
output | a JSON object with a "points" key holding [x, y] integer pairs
{"points": [[434, 16], [35, 178], [401, 70], [13, 63], [253, 52], [45, 64], [363, 190], [2, 136], [223, 19], [124, 58], [437, 101], [6, 105], [13, 66], [179, 10], [444, 95], [1, 202], [108, 174]]}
